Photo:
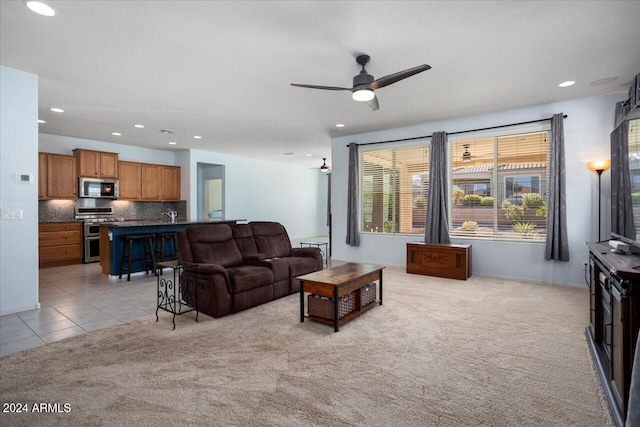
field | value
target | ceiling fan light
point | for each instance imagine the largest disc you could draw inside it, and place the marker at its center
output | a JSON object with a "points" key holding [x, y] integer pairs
{"points": [[324, 168], [363, 95]]}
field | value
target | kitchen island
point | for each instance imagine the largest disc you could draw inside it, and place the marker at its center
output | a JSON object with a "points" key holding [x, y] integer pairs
{"points": [[111, 241]]}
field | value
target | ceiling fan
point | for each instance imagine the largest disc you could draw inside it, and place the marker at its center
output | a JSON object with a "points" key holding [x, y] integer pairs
{"points": [[325, 167], [364, 84]]}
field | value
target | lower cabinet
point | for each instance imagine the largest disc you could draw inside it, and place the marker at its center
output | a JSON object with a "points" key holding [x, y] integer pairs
{"points": [[59, 244], [614, 322]]}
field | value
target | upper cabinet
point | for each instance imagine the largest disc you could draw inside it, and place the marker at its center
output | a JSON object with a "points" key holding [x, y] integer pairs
{"points": [[97, 164], [57, 176], [130, 174], [146, 181], [151, 181], [170, 183]]}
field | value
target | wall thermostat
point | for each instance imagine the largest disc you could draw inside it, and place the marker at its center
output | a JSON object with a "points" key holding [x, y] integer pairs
{"points": [[24, 178]]}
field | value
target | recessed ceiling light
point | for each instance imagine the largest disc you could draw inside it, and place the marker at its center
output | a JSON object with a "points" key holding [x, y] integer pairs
{"points": [[139, 126], [340, 125], [307, 155], [40, 8], [41, 121], [567, 83], [197, 137], [116, 134], [172, 143], [56, 110]]}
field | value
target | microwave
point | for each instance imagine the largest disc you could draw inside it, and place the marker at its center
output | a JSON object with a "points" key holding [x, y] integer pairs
{"points": [[98, 188]]}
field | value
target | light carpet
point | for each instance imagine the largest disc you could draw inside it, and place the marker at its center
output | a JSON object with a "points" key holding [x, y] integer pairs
{"points": [[439, 352]]}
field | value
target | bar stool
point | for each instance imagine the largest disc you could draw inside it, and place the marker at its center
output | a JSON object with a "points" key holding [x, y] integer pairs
{"points": [[165, 247], [127, 259]]}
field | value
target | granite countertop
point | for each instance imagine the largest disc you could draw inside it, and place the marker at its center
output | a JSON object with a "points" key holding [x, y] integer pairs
{"points": [[57, 221], [155, 222]]}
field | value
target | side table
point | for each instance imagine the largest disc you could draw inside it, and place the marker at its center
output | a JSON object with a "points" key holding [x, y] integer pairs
{"points": [[171, 290], [320, 245]]}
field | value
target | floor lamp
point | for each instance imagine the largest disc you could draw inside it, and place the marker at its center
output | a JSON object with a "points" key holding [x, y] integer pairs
{"points": [[599, 166]]}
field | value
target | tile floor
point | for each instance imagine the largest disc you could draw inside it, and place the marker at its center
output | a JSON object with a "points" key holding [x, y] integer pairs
{"points": [[77, 299]]}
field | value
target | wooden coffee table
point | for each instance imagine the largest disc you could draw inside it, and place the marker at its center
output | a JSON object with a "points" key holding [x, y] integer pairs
{"points": [[337, 282]]}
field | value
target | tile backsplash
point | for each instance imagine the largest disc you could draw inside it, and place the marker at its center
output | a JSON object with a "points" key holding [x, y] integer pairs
{"points": [[64, 210]]}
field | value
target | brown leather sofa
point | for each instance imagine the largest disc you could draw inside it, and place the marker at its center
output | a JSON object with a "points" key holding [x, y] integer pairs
{"points": [[244, 265]]}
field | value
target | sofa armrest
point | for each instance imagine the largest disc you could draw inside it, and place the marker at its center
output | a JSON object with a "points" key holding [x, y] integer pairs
{"points": [[311, 252], [308, 251], [205, 269]]}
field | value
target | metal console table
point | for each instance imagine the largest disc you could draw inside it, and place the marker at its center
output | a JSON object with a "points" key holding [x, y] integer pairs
{"points": [[172, 290], [319, 245]]}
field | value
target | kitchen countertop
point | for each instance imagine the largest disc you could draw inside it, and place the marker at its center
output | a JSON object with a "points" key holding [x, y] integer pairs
{"points": [[154, 222]]}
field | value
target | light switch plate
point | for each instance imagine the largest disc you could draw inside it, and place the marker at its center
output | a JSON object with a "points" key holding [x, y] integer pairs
{"points": [[12, 214]]}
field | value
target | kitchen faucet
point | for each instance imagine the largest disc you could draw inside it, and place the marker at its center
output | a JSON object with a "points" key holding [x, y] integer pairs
{"points": [[171, 214]]}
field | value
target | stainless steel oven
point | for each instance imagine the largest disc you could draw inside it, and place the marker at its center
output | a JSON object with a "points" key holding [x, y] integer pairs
{"points": [[92, 218]]}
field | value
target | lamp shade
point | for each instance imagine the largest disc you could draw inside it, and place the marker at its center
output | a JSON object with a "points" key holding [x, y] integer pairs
{"points": [[599, 165], [363, 95]]}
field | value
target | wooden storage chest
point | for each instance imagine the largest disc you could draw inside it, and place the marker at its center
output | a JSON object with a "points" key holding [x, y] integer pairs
{"points": [[439, 259]]}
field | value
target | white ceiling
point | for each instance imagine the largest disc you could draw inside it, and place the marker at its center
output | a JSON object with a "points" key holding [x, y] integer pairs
{"points": [[222, 69]]}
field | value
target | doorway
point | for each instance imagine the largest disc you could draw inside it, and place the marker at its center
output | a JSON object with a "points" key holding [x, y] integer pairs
{"points": [[210, 191]]}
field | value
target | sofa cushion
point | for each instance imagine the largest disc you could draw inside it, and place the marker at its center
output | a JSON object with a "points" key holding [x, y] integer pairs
{"points": [[246, 277], [243, 235], [271, 238], [214, 244], [301, 265]]}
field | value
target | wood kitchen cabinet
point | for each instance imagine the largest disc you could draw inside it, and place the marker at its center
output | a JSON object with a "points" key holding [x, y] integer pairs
{"points": [[42, 175], [159, 182], [130, 174], [151, 181], [57, 177], [170, 183], [59, 244], [97, 164]]}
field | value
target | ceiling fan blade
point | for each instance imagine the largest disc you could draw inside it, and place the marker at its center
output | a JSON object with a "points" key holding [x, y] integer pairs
{"points": [[321, 87], [374, 103], [396, 77]]}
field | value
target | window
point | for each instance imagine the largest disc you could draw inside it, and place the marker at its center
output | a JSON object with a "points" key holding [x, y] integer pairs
{"points": [[393, 191], [498, 187]]}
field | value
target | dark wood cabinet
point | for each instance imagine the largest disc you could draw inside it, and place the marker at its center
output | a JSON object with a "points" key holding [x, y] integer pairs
{"points": [[614, 283], [439, 259]]}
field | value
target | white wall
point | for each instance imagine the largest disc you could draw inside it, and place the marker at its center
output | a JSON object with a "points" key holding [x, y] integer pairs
{"points": [[65, 145], [18, 153], [258, 190], [587, 130], [255, 190]]}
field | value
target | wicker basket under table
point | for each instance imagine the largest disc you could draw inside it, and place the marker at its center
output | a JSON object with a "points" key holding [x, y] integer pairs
{"points": [[323, 307]]}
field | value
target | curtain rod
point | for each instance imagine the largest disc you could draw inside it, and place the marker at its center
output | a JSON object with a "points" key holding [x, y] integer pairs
{"points": [[461, 131]]}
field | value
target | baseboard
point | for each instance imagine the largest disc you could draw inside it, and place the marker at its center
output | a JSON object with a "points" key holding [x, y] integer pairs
{"points": [[20, 310]]}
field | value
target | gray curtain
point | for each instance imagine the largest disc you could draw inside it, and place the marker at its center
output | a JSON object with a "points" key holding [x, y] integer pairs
{"points": [[328, 199], [622, 221], [437, 227], [353, 235], [557, 245]]}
